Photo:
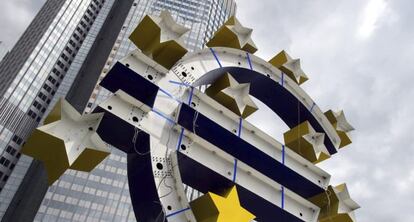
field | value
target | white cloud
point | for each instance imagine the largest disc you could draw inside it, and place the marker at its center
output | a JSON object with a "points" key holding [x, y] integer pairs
{"points": [[15, 16], [373, 11]]}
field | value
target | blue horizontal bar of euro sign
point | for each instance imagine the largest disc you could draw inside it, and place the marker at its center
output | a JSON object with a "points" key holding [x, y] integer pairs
{"points": [[245, 152], [203, 179], [119, 133], [123, 78]]}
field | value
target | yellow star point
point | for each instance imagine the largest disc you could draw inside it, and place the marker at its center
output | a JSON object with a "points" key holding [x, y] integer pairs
{"points": [[160, 38], [233, 35], [336, 205], [341, 125], [67, 141], [308, 143], [233, 95], [215, 208], [291, 67]]}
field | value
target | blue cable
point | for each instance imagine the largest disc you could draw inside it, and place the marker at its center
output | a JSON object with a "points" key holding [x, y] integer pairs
{"points": [[215, 56], [283, 198], [191, 95], [248, 60], [235, 160], [179, 83], [163, 115], [177, 212], [313, 105], [180, 138], [169, 95]]}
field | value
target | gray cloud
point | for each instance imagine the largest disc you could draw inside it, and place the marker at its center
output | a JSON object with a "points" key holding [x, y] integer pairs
{"points": [[358, 55], [15, 16]]}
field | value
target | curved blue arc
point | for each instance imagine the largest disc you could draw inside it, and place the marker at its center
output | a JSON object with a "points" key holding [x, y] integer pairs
{"points": [[216, 57], [289, 108], [143, 189]]}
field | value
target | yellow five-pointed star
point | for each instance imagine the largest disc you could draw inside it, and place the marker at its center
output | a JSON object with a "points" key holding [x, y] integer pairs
{"points": [[308, 143], [161, 38], [233, 35], [67, 141], [291, 67], [214, 208], [341, 125], [341, 122], [233, 95], [336, 205]]}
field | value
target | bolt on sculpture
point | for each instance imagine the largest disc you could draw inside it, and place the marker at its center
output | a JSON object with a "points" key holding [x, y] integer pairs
{"points": [[192, 155]]}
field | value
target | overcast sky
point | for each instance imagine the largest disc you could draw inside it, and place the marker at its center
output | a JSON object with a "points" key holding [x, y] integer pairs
{"points": [[359, 57]]}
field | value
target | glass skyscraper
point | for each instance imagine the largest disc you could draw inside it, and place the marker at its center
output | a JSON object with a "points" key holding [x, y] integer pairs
{"points": [[52, 68], [32, 72], [3, 51], [35, 73]]}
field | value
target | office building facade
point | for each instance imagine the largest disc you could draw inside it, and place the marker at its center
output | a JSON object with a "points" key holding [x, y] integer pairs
{"points": [[38, 70], [33, 71], [68, 45]]}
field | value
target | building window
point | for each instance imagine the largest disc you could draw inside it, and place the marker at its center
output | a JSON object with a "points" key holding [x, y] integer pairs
{"points": [[42, 96], [52, 80], [72, 43], [31, 114], [8, 149], [60, 64], [17, 139], [55, 71], [46, 87], [2, 160], [37, 105], [11, 150], [68, 50]]}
